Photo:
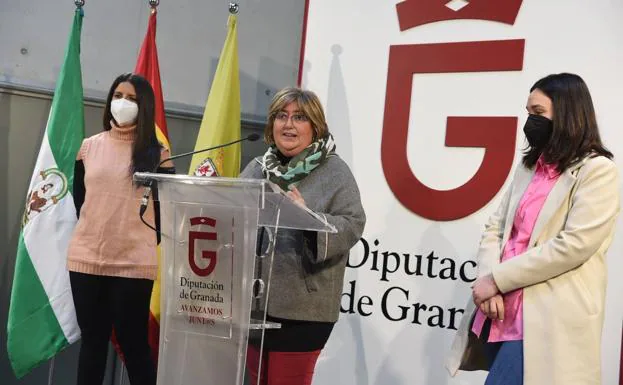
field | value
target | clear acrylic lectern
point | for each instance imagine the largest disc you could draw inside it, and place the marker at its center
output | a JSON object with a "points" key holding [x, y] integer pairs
{"points": [[210, 286]]}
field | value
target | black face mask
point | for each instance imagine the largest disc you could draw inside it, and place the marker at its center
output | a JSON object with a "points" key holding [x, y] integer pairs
{"points": [[538, 130]]}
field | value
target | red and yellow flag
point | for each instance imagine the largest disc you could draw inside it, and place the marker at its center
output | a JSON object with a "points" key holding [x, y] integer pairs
{"points": [[147, 66]]}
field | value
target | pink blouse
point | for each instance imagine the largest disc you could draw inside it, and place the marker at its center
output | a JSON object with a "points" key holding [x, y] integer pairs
{"points": [[511, 327]]}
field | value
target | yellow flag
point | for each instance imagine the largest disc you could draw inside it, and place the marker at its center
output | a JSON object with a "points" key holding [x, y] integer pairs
{"points": [[221, 117]]}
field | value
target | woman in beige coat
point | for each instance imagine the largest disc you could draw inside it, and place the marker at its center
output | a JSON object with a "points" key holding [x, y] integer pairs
{"points": [[537, 309]]}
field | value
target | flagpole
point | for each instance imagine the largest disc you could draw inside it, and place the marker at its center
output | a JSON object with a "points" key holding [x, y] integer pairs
{"points": [[154, 5], [234, 8], [51, 371], [122, 374]]}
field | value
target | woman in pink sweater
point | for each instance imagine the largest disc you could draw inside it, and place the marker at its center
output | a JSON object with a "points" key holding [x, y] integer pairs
{"points": [[112, 255]]}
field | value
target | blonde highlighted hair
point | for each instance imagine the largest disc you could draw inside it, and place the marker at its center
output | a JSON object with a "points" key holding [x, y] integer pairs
{"points": [[309, 105]]}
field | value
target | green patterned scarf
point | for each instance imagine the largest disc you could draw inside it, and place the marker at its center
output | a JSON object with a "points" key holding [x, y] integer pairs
{"points": [[299, 166]]}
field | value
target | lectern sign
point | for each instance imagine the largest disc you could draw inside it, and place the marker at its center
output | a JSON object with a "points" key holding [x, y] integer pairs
{"points": [[204, 275]]}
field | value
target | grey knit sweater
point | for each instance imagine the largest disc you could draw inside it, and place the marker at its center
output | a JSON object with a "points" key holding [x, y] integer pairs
{"points": [[308, 267]]}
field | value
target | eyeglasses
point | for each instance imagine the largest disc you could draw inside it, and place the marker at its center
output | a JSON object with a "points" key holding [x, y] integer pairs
{"points": [[283, 118]]}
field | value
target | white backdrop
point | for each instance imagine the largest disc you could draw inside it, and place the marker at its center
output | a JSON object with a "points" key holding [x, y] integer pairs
{"points": [[346, 63]]}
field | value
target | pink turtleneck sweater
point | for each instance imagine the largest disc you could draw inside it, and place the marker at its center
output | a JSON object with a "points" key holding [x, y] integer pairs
{"points": [[110, 238]]}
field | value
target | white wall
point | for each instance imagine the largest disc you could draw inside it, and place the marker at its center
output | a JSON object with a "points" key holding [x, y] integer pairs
{"points": [[190, 36]]}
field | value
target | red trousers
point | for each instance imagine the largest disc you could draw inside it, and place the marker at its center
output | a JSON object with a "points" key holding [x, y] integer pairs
{"points": [[281, 368]]}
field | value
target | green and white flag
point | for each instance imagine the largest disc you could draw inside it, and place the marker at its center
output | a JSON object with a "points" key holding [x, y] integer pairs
{"points": [[42, 319]]}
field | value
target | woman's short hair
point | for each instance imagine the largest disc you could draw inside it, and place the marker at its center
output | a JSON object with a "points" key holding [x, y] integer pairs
{"points": [[308, 103], [575, 131]]}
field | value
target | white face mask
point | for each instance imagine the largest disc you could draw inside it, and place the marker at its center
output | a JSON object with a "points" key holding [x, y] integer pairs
{"points": [[124, 111]]}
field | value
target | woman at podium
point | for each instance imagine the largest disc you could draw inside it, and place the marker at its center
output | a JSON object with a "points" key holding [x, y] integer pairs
{"points": [[308, 267], [112, 255], [538, 303]]}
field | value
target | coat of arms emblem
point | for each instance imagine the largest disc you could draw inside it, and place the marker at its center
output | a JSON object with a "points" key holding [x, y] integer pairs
{"points": [[206, 168], [49, 188]]}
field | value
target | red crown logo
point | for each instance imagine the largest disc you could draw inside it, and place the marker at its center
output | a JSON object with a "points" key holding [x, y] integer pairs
{"points": [[413, 13]]}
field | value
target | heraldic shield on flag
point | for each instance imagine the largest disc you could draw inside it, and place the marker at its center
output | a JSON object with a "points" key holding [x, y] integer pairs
{"points": [[206, 168], [51, 187]]}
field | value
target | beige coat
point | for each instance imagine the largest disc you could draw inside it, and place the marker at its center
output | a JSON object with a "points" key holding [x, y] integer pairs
{"points": [[563, 275]]}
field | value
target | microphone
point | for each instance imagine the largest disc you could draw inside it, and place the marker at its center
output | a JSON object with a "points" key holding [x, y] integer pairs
{"points": [[251, 138], [145, 199]]}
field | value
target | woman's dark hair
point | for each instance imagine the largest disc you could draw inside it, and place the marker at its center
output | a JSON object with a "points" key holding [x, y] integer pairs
{"points": [[575, 132], [146, 149]]}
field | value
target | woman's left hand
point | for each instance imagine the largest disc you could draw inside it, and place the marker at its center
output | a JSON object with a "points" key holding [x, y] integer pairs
{"points": [[484, 288], [296, 196], [494, 307]]}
